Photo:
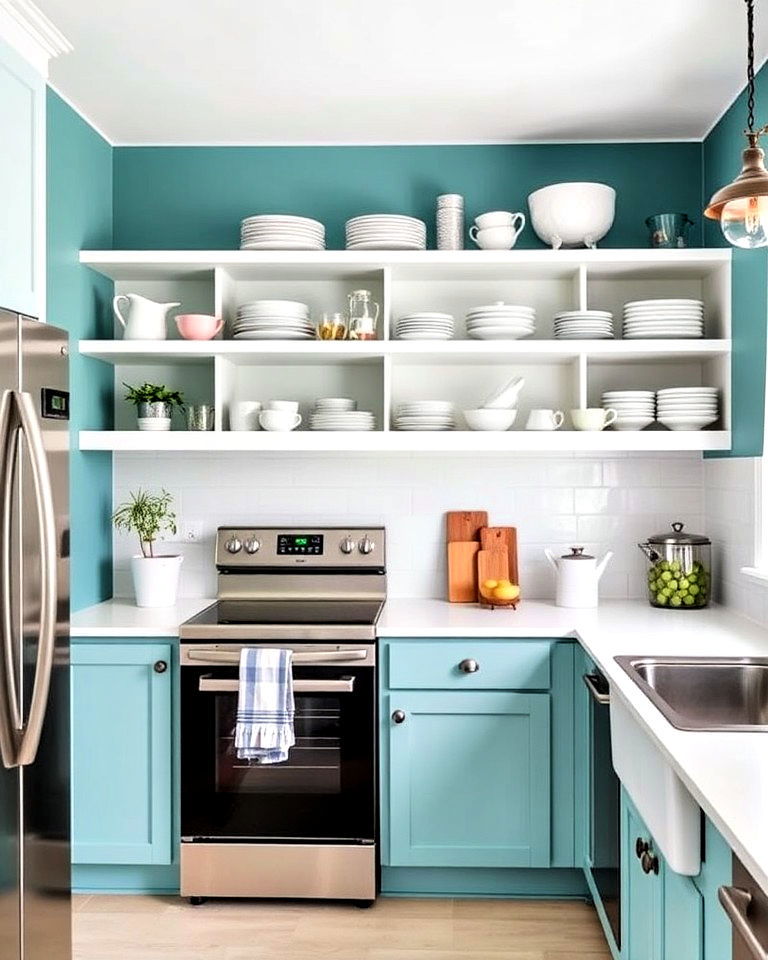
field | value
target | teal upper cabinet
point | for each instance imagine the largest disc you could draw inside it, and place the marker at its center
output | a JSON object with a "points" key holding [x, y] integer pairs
{"points": [[22, 184], [469, 779], [121, 753]]}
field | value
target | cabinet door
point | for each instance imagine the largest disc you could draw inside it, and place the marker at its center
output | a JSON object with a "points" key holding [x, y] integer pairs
{"points": [[121, 753], [469, 780], [642, 893], [22, 179], [683, 918]]}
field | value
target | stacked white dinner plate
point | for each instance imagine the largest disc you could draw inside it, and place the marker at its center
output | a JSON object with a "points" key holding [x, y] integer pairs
{"points": [[340, 413], [425, 326], [272, 320], [635, 409], [386, 231], [281, 232], [663, 319], [425, 415], [687, 408], [500, 321], [584, 325]]}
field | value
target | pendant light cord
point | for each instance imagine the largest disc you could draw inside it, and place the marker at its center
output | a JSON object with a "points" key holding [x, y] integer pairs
{"points": [[751, 66]]}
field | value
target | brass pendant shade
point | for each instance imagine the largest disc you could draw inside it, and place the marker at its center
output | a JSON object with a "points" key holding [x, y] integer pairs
{"points": [[751, 182]]}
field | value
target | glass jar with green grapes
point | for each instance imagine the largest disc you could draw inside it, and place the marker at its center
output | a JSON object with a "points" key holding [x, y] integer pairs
{"points": [[680, 569]]}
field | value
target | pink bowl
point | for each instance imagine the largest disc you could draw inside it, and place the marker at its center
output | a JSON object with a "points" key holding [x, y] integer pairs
{"points": [[198, 326]]}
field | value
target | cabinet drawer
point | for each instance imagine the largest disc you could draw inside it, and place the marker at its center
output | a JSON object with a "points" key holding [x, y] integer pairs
{"points": [[502, 665]]}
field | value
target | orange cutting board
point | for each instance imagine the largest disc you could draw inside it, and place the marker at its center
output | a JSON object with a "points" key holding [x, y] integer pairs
{"points": [[492, 565], [465, 525], [502, 538], [462, 571]]}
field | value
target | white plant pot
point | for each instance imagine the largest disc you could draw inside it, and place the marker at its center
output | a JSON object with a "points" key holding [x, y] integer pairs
{"points": [[156, 580]]}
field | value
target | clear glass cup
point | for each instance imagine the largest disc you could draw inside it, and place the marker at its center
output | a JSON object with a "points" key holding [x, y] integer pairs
{"points": [[363, 315], [333, 326]]}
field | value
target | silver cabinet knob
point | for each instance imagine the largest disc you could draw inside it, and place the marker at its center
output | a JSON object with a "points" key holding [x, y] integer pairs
{"points": [[252, 545], [233, 545], [399, 716], [469, 666], [347, 545], [366, 545]]}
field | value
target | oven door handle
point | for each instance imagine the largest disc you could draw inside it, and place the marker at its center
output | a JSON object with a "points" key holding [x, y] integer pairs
{"points": [[591, 679], [342, 685], [319, 657]]}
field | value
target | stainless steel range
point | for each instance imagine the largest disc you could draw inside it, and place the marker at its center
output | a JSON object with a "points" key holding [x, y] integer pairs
{"points": [[307, 827]]}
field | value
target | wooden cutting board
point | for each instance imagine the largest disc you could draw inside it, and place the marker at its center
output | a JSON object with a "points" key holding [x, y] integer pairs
{"points": [[462, 571], [465, 525], [502, 538], [492, 565]]}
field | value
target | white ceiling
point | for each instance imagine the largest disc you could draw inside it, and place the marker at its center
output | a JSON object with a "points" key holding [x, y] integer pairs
{"points": [[401, 71]]}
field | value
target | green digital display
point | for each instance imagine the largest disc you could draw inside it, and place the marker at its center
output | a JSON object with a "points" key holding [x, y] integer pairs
{"points": [[302, 544], [301, 541]]}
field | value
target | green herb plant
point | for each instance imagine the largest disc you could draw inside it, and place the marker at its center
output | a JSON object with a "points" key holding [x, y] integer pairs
{"points": [[153, 393], [147, 515]]}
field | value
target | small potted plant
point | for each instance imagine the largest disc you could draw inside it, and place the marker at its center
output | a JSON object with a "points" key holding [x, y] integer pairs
{"points": [[154, 405], [155, 577]]}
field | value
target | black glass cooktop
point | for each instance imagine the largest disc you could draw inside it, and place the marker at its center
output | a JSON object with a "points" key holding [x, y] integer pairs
{"points": [[324, 613]]}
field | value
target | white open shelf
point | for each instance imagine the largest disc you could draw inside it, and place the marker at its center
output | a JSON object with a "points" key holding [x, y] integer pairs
{"points": [[382, 373]]}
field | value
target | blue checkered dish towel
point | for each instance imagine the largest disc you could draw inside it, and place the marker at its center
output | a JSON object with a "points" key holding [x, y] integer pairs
{"points": [[264, 729]]}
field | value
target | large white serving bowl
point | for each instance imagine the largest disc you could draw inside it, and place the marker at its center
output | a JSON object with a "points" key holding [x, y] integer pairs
{"points": [[572, 214], [483, 419]]}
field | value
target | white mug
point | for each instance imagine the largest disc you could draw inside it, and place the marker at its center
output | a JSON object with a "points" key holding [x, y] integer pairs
{"points": [[289, 406], [497, 218], [498, 238], [545, 420], [593, 418], [281, 421], [244, 415]]}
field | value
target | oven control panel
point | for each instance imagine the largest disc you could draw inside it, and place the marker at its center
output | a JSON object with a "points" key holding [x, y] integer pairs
{"points": [[262, 547]]}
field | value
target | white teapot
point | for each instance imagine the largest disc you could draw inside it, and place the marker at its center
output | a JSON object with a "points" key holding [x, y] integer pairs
{"points": [[145, 320], [578, 575]]}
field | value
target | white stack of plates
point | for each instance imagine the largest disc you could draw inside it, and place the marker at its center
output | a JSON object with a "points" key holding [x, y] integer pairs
{"points": [[425, 415], [281, 232], [386, 231], [584, 325], [687, 408], [273, 320], [425, 326], [636, 409], [500, 321], [663, 319], [340, 413]]}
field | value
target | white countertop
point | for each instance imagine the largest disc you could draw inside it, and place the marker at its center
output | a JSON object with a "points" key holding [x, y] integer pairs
{"points": [[727, 773]]}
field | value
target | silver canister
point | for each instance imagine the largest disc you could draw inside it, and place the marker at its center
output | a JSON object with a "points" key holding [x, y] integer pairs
{"points": [[680, 569], [450, 221], [200, 416]]}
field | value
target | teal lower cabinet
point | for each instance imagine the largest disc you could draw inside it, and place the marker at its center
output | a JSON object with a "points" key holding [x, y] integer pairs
{"points": [[122, 775]]}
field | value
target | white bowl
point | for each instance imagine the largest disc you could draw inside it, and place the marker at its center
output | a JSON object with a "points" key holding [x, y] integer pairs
{"points": [[632, 423], [490, 419], [687, 422], [572, 214]]}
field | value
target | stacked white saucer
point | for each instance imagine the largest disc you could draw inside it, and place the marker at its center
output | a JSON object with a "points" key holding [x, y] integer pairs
{"points": [[272, 320], [687, 408], [340, 413], [425, 415], [635, 409], [425, 326], [386, 231], [584, 325], [281, 232], [501, 321], [677, 318]]}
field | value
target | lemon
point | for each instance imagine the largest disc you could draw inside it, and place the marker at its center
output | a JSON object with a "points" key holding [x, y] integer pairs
{"points": [[506, 591], [504, 583], [490, 584]]}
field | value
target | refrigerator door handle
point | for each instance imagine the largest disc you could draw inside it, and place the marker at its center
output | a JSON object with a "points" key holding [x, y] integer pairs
{"points": [[10, 713], [46, 523]]}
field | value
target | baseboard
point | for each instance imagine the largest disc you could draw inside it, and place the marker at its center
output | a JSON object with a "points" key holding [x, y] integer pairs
{"points": [[99, 878], [463, 882]]}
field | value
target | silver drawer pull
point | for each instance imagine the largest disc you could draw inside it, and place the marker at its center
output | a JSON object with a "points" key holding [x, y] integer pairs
{"points": [[590, 679], [469, 666], [318, 657], [736, 903], [342, 685]]}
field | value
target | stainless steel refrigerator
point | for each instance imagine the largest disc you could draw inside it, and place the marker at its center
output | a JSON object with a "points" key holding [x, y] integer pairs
{"points": [[34, 629]]}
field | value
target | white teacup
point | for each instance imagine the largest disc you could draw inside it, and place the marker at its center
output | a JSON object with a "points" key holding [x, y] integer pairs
{"points": [[290, 406], [244, 415], [497, 238], [593, 418], [279, 420], [545, 420], [498, 218]]}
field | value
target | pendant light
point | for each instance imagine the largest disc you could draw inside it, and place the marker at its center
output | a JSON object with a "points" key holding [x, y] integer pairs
{"points": [[742, 206]]}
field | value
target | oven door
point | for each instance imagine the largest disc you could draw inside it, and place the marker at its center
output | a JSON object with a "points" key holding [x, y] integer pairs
{"points": [[325, 791]]}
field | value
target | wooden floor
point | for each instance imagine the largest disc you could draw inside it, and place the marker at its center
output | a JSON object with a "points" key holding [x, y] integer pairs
{"points": [[167, 928]]}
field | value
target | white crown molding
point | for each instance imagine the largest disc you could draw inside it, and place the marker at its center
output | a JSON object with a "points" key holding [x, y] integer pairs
{"points": [[27, 29]]}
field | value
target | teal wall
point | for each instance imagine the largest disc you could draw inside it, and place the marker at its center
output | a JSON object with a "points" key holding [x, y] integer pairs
{"points": [[195, 197], [79, 185], [721, 163]]}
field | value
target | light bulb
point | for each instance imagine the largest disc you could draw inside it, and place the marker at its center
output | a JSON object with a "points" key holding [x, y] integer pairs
{"points": [[744, 222]]}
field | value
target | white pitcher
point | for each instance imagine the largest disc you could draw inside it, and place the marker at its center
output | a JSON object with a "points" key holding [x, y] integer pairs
{"points": [[145, 320], [577, 577]]}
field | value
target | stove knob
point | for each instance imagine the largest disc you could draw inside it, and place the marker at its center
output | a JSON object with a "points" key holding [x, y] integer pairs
{"points": [[252, 545], [366, 545], [347, 545], [233, 545]]}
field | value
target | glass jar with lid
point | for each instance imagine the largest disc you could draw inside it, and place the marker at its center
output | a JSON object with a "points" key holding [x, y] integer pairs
{"points": [[680, 569], [363, 315]]}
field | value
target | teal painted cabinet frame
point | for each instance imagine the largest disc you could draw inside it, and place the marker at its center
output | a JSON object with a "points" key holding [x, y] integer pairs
{"points": [[122, 799]]}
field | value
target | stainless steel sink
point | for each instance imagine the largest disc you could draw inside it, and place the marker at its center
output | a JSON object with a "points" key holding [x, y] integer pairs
{"points": [[705, 693]]}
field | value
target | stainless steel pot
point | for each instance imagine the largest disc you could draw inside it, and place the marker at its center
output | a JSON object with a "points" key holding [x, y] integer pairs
{"points": [[680, 569]]}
